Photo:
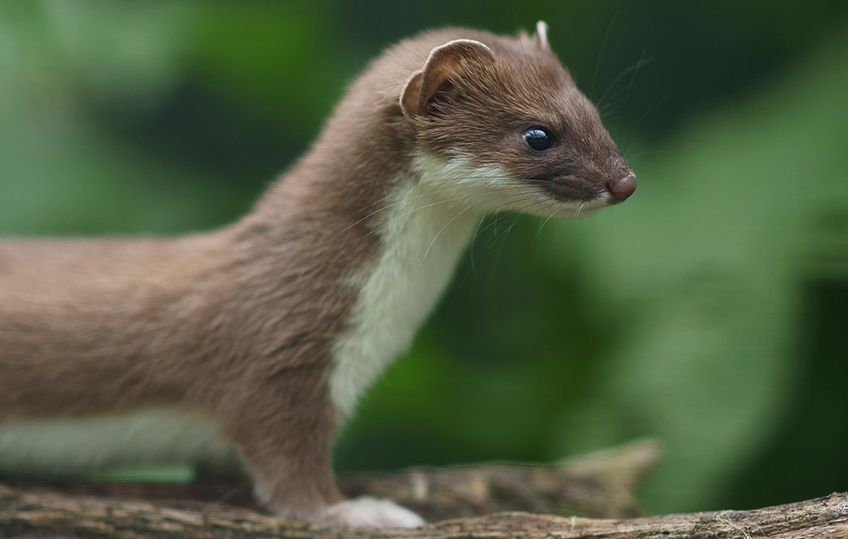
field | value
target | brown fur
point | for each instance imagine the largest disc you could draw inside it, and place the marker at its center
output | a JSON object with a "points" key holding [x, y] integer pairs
{"points": [[239, 323]]}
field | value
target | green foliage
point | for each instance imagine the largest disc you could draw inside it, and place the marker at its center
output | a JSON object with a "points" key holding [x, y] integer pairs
{"points": [[708, 310]]}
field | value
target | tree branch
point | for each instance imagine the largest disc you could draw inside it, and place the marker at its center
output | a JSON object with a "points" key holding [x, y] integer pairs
{"points": [[35, 511]]}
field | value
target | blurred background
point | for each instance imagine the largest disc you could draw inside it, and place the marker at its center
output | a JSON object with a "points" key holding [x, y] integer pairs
{"points": [[710, 310]]}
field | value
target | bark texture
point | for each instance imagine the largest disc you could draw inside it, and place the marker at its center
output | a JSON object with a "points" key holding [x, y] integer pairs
{"points": [[85, 510]]}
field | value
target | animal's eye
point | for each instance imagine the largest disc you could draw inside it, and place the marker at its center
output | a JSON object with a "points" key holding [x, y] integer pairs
{"points": [[538, 139]]}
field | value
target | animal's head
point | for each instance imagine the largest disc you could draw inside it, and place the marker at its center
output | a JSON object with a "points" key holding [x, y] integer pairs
{"points": [[503, 123]]}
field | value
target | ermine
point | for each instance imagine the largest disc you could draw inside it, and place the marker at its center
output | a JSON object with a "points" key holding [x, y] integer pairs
{"points": [[261, 336]]}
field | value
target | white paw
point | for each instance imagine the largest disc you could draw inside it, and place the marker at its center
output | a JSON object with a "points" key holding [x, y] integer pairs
{"points": [[368, 512]]}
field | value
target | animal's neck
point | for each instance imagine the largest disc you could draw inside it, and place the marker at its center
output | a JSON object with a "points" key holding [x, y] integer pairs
{"points": [[423, 236]]}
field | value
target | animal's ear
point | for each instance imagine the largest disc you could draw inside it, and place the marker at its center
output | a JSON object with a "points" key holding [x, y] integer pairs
{"points": [[435, 82], [541, 36]]}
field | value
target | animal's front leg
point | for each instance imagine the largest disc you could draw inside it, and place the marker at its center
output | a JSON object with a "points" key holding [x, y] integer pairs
{"points": [[284, 431]]}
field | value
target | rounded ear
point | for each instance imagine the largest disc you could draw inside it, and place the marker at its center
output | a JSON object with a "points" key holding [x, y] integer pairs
{"points": [[445, 65], [409, 98]]}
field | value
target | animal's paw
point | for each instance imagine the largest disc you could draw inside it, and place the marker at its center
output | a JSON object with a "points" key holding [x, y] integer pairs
{"points": [[368, 512]]}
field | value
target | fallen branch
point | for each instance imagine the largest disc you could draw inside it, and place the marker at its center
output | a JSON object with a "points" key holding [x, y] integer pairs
{"points": [[35, 511], [599, 484], [49, 514]]}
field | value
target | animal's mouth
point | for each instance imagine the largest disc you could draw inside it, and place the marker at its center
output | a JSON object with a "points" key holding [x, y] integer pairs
{"points": [[591, 193], [575, 191], [569, 208]]}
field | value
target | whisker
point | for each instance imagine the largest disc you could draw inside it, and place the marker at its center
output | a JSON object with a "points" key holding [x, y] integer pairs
{"points": [[543, 223], [499, 214], [510, 191], [634, 156], [603, 49], [428, 193], [390, 205], [627, 96], [495, 195], [446, 188], [519, 212], [441, 190], [439, 233], [495, 218], [436, 203], [661, 101], [524, 196], [633, 67], [580, 209], [472, 247], [517, 217]]}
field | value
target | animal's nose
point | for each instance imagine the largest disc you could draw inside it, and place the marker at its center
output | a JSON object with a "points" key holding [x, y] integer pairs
{"points": [[623, 188]]}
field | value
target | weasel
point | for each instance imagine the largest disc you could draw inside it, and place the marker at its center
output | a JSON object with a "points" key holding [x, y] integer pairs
{"points": [[262, 335]]}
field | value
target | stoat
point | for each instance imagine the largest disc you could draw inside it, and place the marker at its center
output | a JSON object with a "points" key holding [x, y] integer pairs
{"points": [[262, 335]]}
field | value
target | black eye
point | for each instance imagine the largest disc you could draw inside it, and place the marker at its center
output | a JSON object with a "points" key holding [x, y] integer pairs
{"points": [[538, 139]]}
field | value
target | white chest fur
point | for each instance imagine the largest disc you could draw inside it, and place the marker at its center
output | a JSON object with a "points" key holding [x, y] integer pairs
{"points": [[424, 233]]}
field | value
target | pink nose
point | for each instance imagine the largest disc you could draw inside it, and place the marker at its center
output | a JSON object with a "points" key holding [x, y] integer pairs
{"points": [[623, 188]]}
